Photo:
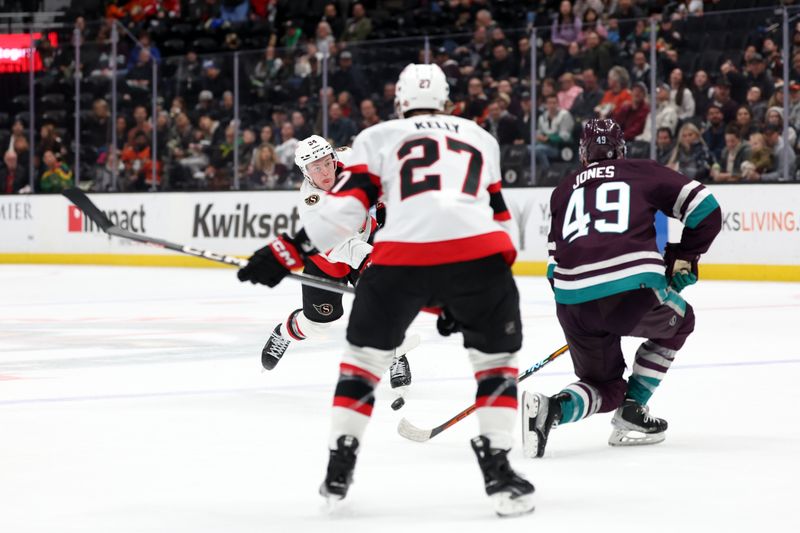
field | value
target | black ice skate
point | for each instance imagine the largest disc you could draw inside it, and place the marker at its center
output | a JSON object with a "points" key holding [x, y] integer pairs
{"points": [[274, 349], [540, 414], [634, 426], [511, 494], [340, 469]]}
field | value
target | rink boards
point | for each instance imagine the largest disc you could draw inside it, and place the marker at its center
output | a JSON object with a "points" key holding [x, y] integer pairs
{"points": [[760, 237]]}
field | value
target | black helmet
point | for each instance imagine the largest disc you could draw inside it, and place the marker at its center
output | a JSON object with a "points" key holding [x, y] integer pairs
{"points": [[601, 139]]}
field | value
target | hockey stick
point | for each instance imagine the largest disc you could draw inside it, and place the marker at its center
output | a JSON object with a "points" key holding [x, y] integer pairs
{"points": [[412, 432], [79, 198]]}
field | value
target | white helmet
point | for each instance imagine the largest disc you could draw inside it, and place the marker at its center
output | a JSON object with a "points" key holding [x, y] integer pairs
{"points": [[421, 87], [310, 149]]}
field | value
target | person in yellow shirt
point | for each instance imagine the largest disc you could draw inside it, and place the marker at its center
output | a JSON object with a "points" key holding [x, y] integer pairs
{"points": [[57, 176]]}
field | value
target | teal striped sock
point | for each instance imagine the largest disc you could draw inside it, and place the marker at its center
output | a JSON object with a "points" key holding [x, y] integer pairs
{"points": [[641, 388], [582, 400]]}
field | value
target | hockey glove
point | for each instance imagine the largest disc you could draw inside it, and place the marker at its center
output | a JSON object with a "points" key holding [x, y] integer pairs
{"points": [[380, 214], [446, 324], [681, 267], [270, 264]]}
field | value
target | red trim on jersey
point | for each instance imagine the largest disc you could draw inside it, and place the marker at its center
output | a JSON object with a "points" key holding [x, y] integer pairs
{"points": [[354, 405], [334, 270], [432, 310], [394, 253], [502, 216], [495, 187], [508, 371], [358, 194], [352, 370], [497, 401]]}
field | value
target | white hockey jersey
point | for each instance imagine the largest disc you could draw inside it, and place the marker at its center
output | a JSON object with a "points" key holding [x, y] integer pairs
{"points": [[352, 250], [439, 177]]}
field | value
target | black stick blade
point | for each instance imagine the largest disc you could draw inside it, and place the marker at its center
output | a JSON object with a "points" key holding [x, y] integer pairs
{"points": [[79, 198]]}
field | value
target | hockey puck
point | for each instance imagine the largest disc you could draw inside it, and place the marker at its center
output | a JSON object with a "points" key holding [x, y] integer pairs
{"points": [[398, 403]]}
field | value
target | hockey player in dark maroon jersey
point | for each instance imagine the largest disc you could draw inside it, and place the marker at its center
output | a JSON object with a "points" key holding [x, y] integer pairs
{"points": [[610, 282]]}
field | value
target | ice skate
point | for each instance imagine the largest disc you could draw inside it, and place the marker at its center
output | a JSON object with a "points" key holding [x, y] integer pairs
{"points": [[400, 371], [540, 414], [634, 426], [341, 463], [511, 494], [274, 349]]}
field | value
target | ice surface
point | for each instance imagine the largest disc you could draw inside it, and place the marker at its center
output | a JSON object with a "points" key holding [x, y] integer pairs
{"points": [[132, 400]]}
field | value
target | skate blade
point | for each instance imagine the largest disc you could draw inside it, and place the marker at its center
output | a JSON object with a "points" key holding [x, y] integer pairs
{"points": [[530, 438], [507, 507], [627, 437]]}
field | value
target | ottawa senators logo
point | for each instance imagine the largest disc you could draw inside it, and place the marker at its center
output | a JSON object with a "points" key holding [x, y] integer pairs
{"points": [[312, 200], [324, 309]]}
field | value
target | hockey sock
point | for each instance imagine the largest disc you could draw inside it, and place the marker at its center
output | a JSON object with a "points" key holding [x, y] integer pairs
{"points": [[359, 374], [299, 327], [496, 397], [649, 368], [581, 400]]}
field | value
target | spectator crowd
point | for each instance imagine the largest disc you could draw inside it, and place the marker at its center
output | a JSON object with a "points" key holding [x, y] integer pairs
{"points": [[306, 66]]}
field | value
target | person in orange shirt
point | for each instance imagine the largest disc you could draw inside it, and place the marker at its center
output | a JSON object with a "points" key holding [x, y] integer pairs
{"points": [[617, 93]]}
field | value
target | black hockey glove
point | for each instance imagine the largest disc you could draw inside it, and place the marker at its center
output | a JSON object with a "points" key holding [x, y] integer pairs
{"points": [[681, 267], [270, 264], [446, 324], [380, 214]]}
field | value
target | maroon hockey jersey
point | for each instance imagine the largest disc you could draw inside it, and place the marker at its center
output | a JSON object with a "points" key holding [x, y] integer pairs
{"points": [[602, 238]]}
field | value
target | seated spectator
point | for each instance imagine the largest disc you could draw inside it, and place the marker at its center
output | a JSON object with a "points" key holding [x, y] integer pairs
{"points": [[336, 23], [591, 19], [680, 95], [348, 77], [476, 102], [552, 63], [597, 54], [566, 26], [265, 136], [359, 26], [702, 92], [13, 177], [586, 102], [219, 173], [757, 105], [617, 93], [640, 71], [636, 42], [141, 74], [627, 11], [501, 124], [760, 160], [247, 148], [212, 79], [49, 140], [573, 62], [269, 72], [775, 143], [284, 152], [369, 115], [714, 133], [138, 165], [267, 173], [140, 124], [341, 129], [774, 116], [224, 112], [301, 128], [631, 116], [56, 176], [554, 132], [190, 72], [744, 122], [502, 65], [145, 43], [733, 155], [757, 75], [664, 145], [386, 104], [17, 132], [666, 115], [691, 156], [345, 101]]}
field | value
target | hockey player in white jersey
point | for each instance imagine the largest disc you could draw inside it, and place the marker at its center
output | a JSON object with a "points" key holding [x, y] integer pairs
{"points": [[320, 165], [448, 241]]}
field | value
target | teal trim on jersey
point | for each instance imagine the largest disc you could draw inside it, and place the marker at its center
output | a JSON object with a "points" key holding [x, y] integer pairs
{"points": [[641, 388], [701, 211], [550, 270], [572, 410], [646, 280], [672, 296]]}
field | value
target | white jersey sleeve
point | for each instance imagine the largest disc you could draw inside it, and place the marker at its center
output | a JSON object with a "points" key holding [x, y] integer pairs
{"points": [[353, 248], [439, 177]]}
